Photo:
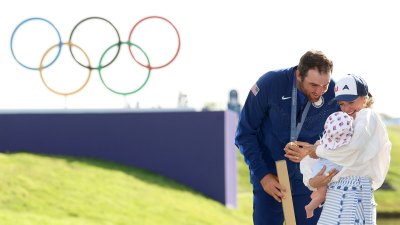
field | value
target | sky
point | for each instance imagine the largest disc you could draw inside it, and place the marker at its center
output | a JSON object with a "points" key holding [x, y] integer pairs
{"points": [[224, 45]]}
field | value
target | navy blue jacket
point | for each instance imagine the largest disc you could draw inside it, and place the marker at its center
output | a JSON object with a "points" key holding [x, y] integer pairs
{"points": [[264, 124]]}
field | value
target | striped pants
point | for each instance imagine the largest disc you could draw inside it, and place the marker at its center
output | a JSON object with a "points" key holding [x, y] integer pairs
{"points": [[349, 201]]}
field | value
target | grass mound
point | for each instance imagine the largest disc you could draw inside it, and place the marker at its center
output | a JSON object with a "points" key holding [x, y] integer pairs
{"points": [[38, 189]]}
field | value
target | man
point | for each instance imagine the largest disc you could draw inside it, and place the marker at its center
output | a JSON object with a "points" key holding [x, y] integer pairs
{"points": [[268, 123]]}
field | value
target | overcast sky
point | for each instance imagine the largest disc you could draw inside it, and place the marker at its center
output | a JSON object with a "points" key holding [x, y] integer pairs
{"points": [[226, 44]]}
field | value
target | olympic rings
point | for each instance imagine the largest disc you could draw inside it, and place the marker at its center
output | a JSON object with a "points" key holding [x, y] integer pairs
{"points": [[100, 66]]}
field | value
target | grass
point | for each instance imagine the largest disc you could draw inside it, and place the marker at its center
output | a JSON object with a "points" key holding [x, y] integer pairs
{"points": [[388, 199], [43, 190], [54, 190]]}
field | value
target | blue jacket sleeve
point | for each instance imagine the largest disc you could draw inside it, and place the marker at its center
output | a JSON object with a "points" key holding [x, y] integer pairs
{"points": [[253, 114]]}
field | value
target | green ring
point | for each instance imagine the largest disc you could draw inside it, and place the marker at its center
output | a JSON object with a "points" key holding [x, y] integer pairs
{"points": [[100, 68]]}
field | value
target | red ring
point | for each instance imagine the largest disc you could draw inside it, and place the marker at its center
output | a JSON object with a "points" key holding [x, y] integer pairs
{"points": [[177, 51]]}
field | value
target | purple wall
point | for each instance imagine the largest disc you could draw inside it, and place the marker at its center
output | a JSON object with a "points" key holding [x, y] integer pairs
{"points": [[193, 148]]}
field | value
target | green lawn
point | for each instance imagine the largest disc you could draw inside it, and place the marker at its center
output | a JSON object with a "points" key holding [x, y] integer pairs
{"points": [[45, 190], [388, 200]]}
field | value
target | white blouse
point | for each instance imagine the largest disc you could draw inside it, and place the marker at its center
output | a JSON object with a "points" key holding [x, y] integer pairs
{"points": [[367, 154]]}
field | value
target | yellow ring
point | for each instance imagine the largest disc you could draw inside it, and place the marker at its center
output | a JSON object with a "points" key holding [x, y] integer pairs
{"points": [[53, 90]]}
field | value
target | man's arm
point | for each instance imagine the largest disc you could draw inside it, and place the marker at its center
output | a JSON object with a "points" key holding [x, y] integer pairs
{"points": [[252, 116]]}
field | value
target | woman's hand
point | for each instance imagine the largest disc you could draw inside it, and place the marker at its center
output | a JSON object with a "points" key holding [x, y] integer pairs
{"points": [[296, 151], [322, 179], [313, 154]]}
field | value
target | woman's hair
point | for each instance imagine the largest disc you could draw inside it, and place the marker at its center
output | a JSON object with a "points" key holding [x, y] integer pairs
{"points": [[369, 100]]}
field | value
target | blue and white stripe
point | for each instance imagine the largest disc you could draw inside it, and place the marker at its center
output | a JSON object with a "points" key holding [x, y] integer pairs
{"points": [[349, 201]]}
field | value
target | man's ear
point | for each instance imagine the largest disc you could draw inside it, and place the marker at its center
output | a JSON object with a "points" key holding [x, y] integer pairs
{"points": [[298, 76]]}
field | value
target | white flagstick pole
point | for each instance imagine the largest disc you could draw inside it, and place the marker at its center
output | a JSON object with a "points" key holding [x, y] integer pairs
{"points": [[287, 202]]}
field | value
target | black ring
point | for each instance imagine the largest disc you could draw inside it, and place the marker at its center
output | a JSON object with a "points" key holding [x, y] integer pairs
{"points": [[119, 43]]}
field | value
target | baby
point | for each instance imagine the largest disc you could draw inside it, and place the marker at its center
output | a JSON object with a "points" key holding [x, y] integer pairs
{"points": [[338, 130]]}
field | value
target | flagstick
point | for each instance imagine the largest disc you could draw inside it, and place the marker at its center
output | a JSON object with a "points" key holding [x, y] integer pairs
{"points": [[287, 202]]}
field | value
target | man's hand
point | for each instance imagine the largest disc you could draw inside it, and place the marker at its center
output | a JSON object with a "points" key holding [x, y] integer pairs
{"points": [[296, 151], [322, 178], [272, 186]]}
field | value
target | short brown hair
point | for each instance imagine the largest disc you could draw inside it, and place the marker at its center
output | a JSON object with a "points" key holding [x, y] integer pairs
{"points": [[314, 59]]}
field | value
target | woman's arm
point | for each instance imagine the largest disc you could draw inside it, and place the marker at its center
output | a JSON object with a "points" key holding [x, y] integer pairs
{"points": [[362, 146], [322, 178]]}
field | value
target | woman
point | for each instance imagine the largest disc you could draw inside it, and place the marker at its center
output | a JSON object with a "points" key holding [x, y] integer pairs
{"points": [[365, 160]]}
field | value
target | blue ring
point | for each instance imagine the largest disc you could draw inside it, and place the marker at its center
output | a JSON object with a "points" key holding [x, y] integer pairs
{"points": [[12, 39]]}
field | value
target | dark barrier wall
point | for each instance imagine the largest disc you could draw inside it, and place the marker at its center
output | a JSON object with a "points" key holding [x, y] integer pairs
{"points": [[193, 148]]}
